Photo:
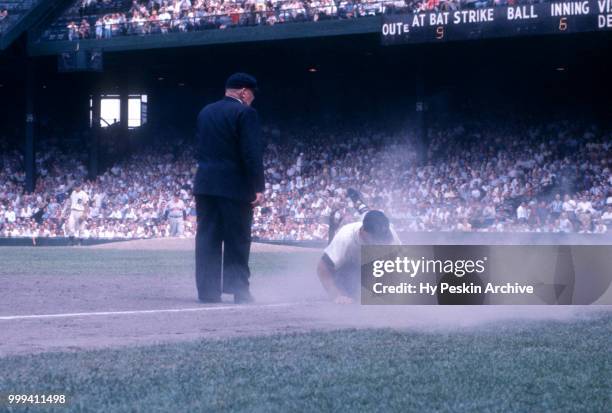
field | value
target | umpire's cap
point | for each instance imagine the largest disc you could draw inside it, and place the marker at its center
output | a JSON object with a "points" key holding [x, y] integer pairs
{"points": [[376, 224], [241, 80]]}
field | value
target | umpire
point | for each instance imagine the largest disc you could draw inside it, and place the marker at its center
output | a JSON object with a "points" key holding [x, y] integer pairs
{"points": [[229, 182]]}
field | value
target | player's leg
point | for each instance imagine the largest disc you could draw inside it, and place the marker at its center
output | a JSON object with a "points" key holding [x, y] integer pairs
{"points": [[71, 227], [208, 248], [180, 227], [173, 227], [335, 218], [455, 253], [237, 220], [79, 224], [334, 223], [357, 199]]}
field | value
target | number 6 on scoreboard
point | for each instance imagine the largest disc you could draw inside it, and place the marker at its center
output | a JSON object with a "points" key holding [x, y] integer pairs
{"points": [[439, 32], [563, 24]]}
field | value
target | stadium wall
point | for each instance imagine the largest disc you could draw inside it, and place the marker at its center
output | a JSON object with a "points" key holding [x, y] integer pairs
{"points": [[504, 238], [50, 242], [408, 238]]}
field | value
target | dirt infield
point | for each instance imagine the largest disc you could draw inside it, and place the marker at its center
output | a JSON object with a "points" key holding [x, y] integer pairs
{"points": [[185, 244], [101, 313], [89, 330], [72, 299]]}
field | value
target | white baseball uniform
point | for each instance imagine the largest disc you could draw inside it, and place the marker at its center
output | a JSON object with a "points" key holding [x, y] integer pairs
{"points": [[175, 217], [78, 204]]}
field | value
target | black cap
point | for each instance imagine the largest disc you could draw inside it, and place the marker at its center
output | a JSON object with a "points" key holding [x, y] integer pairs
{"points": [[376, 224], [241, 80]]}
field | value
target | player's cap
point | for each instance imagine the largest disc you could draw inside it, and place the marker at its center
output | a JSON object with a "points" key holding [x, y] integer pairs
{"points": [[241, 80], [376, 224]]}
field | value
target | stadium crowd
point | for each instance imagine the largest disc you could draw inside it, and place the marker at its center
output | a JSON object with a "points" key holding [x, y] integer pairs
{"points": [[130, 200], [478, 176], [104, 19], [185, 15]]}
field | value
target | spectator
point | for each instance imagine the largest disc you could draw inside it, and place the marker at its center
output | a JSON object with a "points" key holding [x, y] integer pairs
{"points": [[84, 29], [470, 181], [73, 29]]}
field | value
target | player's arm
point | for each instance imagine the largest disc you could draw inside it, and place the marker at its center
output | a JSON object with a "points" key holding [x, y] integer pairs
{"points": [[325, 271], [396, 239]]}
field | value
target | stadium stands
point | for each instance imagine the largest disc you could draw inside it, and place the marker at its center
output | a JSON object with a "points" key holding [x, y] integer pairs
{"points": [[481, 175], [104, 19]]}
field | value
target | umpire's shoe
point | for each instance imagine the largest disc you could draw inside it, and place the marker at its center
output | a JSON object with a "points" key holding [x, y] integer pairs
{"points": [[243, 297]]}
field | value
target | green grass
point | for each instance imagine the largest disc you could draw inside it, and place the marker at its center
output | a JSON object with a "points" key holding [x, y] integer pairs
{"points": [[535, 367], [530, 367], [50, 261]]}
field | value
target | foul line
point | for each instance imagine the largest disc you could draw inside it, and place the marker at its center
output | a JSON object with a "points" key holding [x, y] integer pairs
{"points": [[134, 312]]}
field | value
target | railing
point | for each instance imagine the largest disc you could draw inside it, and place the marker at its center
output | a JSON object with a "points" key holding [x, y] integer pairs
{"points": [[201, 21], [107, 30]]}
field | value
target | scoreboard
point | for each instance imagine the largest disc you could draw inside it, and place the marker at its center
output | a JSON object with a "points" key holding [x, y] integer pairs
{"points": [[501, 21]]}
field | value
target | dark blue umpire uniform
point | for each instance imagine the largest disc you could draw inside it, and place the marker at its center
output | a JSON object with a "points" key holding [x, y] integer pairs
{"points": [[229, 151]]}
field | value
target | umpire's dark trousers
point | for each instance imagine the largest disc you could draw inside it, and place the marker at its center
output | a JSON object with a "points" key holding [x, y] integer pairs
{"points": [[223, 242]]}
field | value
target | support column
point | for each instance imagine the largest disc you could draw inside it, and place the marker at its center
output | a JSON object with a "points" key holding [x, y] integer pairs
{"points": [[94, 144], [30, 167], [124, 96], [421, 113]]}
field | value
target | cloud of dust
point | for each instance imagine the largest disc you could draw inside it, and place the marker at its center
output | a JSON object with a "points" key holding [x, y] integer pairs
{"points": [[295, 280]]}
